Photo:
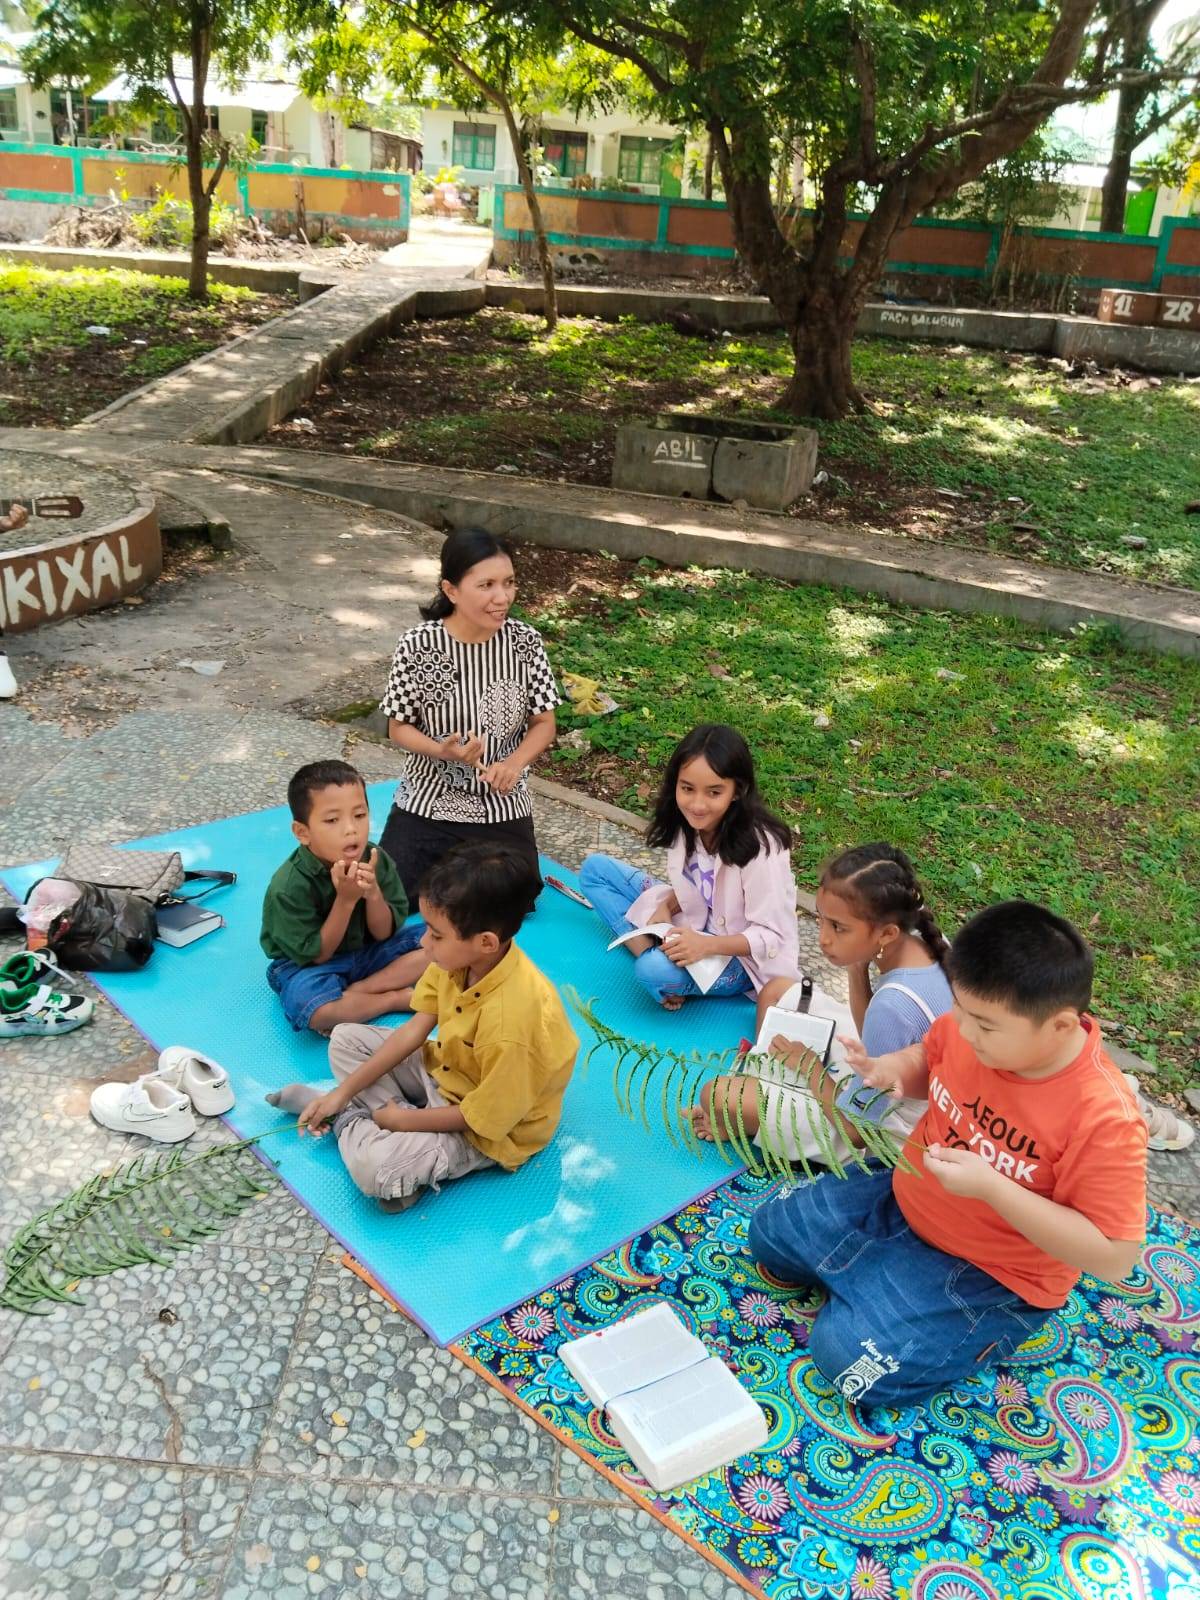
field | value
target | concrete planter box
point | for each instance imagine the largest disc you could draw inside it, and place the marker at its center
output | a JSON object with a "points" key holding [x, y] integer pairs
{"points": [[766, 464], [656, 459]]}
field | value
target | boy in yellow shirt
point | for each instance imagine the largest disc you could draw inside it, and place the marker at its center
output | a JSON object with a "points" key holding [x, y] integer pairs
{"points": [[409, 1111]]}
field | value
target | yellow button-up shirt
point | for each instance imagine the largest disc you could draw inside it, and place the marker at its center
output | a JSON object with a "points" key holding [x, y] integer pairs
{"points": [[504, 1054]]}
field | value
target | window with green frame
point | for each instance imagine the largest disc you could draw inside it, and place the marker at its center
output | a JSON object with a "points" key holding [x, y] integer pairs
{"points": [[165, 128], [9, 121], [565, 152], [640, 160], [475, 146], [258, 126], [85, 113]]}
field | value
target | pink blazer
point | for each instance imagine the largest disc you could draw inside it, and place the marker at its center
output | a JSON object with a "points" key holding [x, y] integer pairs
{"points": [[757, 900]]}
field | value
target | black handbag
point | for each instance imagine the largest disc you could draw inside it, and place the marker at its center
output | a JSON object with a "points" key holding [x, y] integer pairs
{"points": [[105, 930]]}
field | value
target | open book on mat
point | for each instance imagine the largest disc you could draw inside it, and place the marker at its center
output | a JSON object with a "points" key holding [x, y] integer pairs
{"points": [[706, 971], [678, 1410]]}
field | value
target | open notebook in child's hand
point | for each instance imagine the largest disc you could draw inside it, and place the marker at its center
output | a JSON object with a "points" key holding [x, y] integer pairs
{"points": [[797, 1027], [706, 971]]}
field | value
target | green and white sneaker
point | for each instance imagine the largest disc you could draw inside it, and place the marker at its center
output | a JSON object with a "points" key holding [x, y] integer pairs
{"points": [[36, 1008], [31, 966]]}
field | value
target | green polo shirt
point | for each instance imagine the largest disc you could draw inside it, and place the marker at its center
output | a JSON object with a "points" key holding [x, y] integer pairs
{"points": [[300, 896]]}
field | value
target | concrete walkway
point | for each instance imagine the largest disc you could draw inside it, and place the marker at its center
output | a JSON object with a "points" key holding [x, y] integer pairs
{"points": [[679, 533], [687, 533], [239, 390]]}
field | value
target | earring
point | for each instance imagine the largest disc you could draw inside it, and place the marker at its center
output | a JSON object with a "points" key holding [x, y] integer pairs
{"points": [[879, 954]]}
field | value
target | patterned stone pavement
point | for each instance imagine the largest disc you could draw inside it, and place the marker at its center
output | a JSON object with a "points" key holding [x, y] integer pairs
{"points": [[198, 1455], [278, 1433], [48, 482]]}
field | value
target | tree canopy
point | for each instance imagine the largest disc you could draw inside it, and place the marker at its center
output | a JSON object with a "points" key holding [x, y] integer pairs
{"points": [[896, 105], [87, 41]]}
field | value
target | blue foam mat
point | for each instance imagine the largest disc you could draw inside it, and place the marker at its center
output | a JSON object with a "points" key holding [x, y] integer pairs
{"points": [[491, 1240]]}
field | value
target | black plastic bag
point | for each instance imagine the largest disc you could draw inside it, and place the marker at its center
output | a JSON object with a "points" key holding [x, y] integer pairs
{"points": [[106, 930]]}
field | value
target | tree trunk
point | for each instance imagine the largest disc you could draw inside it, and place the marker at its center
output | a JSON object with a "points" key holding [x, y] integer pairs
{"points": [[550, 298], [799, 157], [822, 384], [201, 211], [329, 137], [1137, 19], [708, 169], [816, 304], [195, 123], [1115, 191]]}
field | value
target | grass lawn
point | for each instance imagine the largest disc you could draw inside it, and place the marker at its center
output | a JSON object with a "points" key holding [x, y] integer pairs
{"points": [[54, 372], [967, 447], [1062, 769]]}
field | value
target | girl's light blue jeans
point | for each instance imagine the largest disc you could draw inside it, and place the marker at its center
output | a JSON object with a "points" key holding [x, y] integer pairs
{"points": [[612, 886]]}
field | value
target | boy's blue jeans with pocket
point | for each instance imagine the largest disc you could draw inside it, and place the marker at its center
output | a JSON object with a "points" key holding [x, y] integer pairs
{"points": [[304, 990], [903, 1320]]}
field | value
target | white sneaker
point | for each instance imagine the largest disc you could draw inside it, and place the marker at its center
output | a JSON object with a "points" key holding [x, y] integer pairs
{"points": [[1165, 1129], [149, 1107], [8, 684], [199, 1077]]}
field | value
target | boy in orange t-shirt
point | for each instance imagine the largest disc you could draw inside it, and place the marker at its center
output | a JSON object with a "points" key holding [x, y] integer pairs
{"points": [[1030, 1168]]}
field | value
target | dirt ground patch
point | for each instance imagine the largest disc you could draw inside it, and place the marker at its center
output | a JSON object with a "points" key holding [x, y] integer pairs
{"points": [[1023, 455], [73, 342]]}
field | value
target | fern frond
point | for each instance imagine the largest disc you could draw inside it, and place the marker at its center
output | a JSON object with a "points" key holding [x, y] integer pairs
{"points": [[145, 1211], [771, 1142], [681, 1075]]}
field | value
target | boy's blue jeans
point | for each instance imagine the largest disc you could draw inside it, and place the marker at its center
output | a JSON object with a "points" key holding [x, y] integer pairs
{"points": [[903, 1320], [304, 990], [612, 886]]}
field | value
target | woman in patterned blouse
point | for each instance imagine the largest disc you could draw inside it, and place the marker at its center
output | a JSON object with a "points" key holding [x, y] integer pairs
{"points": [[471, 697]]}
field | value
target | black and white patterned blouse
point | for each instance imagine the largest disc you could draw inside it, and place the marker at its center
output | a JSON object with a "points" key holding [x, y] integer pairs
{"points": [[440, 686]]}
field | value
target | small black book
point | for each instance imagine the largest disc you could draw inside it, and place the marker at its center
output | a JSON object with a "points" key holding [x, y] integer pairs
{"points": [[182, 922]]}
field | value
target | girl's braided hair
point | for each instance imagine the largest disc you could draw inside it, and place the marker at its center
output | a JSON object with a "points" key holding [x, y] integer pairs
{"points": [[881, 881]]}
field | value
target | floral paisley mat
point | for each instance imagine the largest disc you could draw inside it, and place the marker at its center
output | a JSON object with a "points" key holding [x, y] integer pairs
{"points": [[1072, 1474]]}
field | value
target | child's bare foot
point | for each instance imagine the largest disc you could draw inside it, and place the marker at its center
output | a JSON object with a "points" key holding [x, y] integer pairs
{"points": [[701, 1127], [671, 1002], [397, 999]]}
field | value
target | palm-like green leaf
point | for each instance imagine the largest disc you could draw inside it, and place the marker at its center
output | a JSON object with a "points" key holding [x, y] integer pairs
{"points": [[680, 1077], [144, 1211]]}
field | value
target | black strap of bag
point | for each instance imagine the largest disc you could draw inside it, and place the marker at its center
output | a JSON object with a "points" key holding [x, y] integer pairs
{"points": [[215, 879]]}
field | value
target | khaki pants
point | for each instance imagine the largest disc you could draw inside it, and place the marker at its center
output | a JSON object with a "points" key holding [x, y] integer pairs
{"points": [[390, 1166]]}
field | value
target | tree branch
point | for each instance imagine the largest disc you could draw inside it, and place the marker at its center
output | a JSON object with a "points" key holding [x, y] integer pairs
{"points": [[1160, 118], [181, 104], [616, 47], [863, 58], [664, 36], [210, 188]]}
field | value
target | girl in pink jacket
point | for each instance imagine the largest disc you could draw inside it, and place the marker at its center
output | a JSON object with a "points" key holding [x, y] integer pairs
{"points": [[731, 899]]}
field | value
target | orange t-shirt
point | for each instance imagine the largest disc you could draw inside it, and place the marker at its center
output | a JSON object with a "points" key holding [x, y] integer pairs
{"points": [[1077, 1138]]}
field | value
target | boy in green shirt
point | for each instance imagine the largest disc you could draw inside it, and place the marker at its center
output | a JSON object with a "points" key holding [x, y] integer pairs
{"points": [[333, 916]]}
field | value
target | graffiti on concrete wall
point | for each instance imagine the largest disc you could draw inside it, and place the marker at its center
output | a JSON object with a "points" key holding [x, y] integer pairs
{"points": [[64, 579], [924, 321]]}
